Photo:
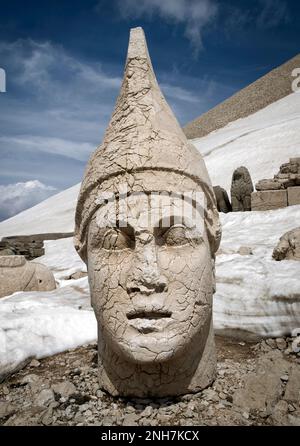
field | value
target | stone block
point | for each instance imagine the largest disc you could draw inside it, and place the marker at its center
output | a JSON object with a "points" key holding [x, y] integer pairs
{"points": [[293, 195], [268, 200]]}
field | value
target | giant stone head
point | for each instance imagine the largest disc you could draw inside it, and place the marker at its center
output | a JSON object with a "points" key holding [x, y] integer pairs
{"points": [[148, 229]]}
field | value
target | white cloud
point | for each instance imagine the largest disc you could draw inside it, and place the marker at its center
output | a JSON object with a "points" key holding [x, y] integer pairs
{"points": [[14, 198], [179, 94], [194, 14], [71, 149]]}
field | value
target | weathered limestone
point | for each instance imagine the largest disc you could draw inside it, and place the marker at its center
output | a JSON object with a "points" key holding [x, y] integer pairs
{"points": [[288, 247], [16, 274], [223, 203], [293, 195], [151, 272], [269, 185], [241, 189], [295, 161], [287, 181], [268, 200]]}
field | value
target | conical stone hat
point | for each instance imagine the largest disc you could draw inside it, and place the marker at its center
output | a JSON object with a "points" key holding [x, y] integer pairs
{"points": [[143, 135]]}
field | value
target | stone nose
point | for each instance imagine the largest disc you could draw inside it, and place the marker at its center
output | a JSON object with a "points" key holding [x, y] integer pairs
{"points": [[146, 276]]}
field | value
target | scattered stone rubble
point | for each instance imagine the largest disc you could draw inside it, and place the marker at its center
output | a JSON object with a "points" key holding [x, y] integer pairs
{"points": [[29, 246], [281, 191], [257, 384]]}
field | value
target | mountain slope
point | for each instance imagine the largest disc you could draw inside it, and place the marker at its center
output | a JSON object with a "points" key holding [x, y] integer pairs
{"points": [[268, 89], [261, 142], [56, 214]]}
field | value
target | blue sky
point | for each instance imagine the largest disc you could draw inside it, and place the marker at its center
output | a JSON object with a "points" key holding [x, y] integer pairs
{"points": [[64, 62]]}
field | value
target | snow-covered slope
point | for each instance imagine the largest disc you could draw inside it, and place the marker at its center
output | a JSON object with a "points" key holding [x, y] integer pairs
{"points": [[56, 214], [38, 324], [261, 142], [256, 296]]}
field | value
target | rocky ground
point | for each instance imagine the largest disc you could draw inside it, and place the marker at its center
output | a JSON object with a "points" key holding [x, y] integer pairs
{"points": [[257, 384]]}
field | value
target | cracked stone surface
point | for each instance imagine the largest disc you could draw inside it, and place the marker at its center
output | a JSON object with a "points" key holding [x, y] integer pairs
{"points": [[17, 274], [151, 284], [241, 190]]}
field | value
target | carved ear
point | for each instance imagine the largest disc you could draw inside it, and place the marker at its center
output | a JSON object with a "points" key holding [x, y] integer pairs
{"points": [[214, 230]]}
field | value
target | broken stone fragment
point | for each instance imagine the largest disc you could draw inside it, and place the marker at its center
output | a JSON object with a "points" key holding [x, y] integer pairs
{"points": [[245, 251], [268, 185], [17, 274], [288, 247]]}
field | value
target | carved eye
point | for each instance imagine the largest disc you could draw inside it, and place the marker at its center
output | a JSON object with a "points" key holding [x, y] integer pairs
{"points": [[114, 239], [175, 236]]}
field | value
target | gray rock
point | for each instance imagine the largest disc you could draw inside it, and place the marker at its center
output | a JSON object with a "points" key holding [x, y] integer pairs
{"points": [[268, 185], [245, 251], [6, 409], [281, 343], [292, 391], [288, 247], [65, 389], [34, 363], [294, 419], [44, 398], [130, 419], [147, 412], [271, 343], [261, 393]]}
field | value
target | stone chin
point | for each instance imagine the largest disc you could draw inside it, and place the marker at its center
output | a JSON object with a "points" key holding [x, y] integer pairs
{"points": [[140, 350], [165, 345]]}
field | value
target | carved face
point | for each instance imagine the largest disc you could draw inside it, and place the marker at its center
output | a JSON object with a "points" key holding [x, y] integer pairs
{"points": [[151, 285]]}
